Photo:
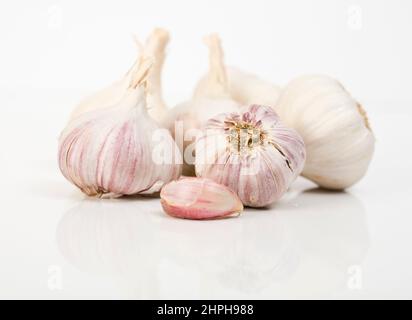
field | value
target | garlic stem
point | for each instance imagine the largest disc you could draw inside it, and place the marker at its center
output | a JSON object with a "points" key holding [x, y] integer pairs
{"points": [[142, 72], [155, 47], [114, 93]]}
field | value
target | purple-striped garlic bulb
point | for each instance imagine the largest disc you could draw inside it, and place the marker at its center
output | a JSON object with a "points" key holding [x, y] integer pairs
{"points": [[120, 150], [252, 153]]}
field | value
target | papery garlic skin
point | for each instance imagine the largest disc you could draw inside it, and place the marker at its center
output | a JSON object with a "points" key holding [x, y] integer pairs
{"points": [[337, 134], [109, 152], [111, 95], [252, 153], [192, 115], [199, 199]]}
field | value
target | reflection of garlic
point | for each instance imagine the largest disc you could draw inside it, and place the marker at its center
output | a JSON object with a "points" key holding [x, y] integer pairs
{"points": [[212, 100], [338, 138], [110, 96], [252, 153], [106, 237], [245, 88], [196, 198], [110, 151]]}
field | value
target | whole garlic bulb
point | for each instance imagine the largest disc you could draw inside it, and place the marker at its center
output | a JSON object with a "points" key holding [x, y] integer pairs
{"points": [[337, 134], [243, 87], [111, 151], [193, 115], [252, 153], [111, 95]]}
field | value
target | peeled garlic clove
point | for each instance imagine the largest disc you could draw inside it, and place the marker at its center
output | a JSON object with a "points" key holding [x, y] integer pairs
{"points": [[192, 115], [337, 134], [111, 151], [197, 198], [111, 95], [252, 153]]}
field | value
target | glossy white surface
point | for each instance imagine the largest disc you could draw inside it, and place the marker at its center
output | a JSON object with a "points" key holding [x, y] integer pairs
{"points": [[55, 243]]}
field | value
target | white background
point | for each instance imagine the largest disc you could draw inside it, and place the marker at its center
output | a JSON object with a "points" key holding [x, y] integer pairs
{"points": [[55, 244]]}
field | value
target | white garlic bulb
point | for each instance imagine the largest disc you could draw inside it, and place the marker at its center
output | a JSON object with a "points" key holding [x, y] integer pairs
{"points": [[252, 153], [193, 115], [243, 87], [111, 95], [338, 138], [119, 150]]}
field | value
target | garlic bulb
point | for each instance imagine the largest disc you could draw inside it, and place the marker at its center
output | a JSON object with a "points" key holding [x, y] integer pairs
{"points": [[243, 87], [111, 95], [198, 199], [119, 150], [252, 153], [337, 134], [189, 117]]}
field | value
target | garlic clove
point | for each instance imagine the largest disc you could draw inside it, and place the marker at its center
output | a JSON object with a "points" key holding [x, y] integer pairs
{"points": [[199, 199], [252, 153], [112, 94], [337, 133]]}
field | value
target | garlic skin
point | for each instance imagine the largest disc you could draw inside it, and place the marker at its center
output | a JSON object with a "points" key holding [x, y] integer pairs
{"points": [[337, 134], [199, 199], [252, 153], [111, 95], [109, 152], [193, 115]]}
